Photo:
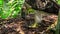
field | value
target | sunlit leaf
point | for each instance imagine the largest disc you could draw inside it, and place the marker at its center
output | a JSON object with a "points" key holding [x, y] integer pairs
{"points": [[10, 8]]}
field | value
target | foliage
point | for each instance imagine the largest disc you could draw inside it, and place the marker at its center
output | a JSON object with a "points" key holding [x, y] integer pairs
{"points": [[10, 8], [58, 2], [31, 11], [58, 24]]}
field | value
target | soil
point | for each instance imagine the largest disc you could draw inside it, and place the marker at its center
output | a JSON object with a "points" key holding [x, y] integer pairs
{"points": [[20, 26]]}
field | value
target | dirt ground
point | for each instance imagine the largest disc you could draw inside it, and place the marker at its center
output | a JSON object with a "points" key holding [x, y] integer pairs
{"points": [[20, 26]]}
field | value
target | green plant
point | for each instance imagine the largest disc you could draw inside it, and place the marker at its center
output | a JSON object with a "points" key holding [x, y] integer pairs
{"points": [[10, 8], [58, 1], [58, 24]]}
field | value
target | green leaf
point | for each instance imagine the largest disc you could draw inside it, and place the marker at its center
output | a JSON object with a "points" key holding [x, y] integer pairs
{"points": [[58, 2], [10, 8]]}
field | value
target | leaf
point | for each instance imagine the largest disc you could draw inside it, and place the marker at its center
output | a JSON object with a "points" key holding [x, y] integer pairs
{"points": [[10, 8]]}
